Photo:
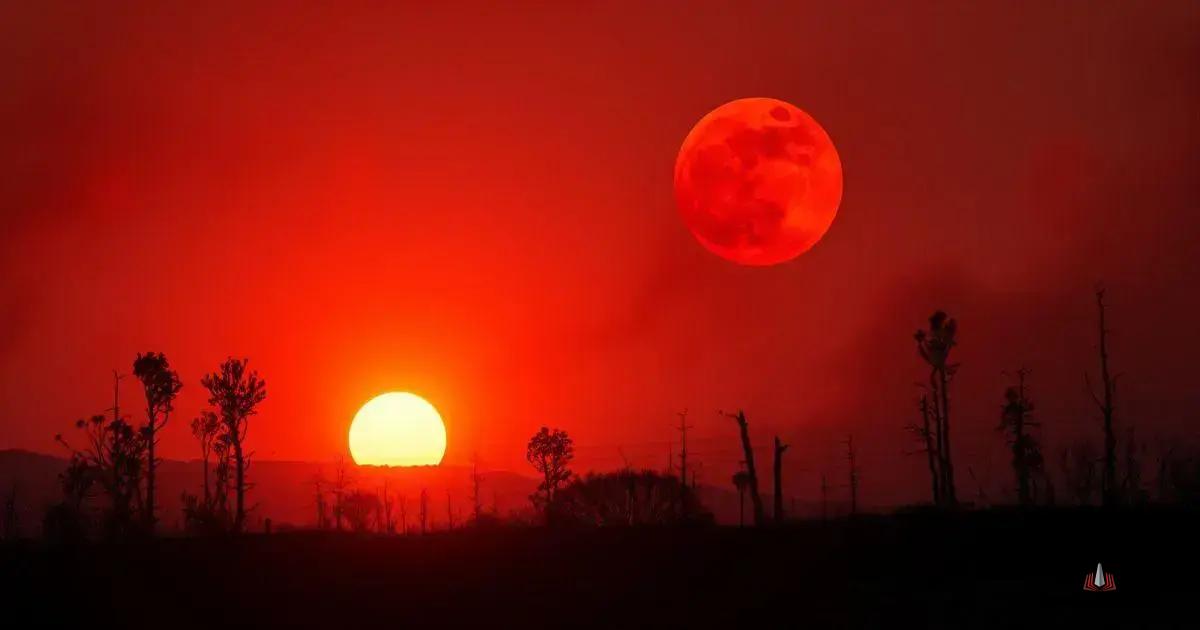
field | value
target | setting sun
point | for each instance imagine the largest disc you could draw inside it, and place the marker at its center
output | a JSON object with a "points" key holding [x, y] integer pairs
{"points": [[397, 429]]}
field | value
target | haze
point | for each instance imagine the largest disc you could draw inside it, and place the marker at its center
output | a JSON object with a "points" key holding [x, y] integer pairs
{"points": [[477, 207]]}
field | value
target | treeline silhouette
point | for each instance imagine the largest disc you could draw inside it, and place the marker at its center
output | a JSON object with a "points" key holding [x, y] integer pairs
{"points": [[113, 463]]}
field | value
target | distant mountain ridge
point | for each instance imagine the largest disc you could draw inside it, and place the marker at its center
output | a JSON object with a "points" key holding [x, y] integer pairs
{"points": [[284, 491]]}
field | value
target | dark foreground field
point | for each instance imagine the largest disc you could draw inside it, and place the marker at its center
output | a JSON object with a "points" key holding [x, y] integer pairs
{"points": [[958, 571]]}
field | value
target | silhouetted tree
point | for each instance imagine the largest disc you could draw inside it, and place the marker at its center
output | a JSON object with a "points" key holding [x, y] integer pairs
{"points": [[318, 483], [386, 504], [342, 481], [852, 464], [206, 428], [1016, 420], [114, 458], [222, 476], [625, 498], [402, 503], [423, 511], [358, 506], [760, 518], [1104, 402], [65, 521], [210, 512], [934, 346], [780, 447], [741, 481], [925, 432], [237, 394], [161, 385], [476, 480], [550, 453]]}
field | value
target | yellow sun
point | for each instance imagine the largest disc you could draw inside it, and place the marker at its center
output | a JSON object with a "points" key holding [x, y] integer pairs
{"points": [[397, 429]]}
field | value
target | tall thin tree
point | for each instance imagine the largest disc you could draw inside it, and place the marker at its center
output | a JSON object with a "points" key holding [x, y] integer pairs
{"points": [[423, 511], [237, 393], [1016, 419], [476, 482], [760, 518], [925, 432], [206, 428], [342, 482], [161, 385], [780, 447], [550, 453], [852, 461], [1104, 402], [934, 346]]}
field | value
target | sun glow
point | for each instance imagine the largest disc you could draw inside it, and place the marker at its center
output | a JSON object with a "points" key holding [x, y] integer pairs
{"points": [[397, 429]]}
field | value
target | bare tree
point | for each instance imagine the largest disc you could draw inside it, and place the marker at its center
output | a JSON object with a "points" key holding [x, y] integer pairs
{"points": [[780, 447], [741, 480], [161, 385], [388, 525], [1016, 419], [1104, 402], [476, 481], [237, 394], [760, 518], [550, 453], [206, 428], [209, 513], [342, 481], [852, 461], [934, 346], [318, 483], [925, 432], [423, 511], [357, 507], [222, 474]]}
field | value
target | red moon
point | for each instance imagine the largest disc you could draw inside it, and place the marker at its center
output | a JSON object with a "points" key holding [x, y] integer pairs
{"points": [[758, 181]]}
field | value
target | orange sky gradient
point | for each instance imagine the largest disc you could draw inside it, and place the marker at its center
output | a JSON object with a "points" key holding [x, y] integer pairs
{"points": [[476, 206]]}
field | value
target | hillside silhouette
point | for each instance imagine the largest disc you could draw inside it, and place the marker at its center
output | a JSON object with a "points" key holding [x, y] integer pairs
{"points": [[284, 493]]}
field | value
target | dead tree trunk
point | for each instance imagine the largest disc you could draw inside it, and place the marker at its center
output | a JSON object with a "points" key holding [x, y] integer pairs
{"points": [[239, 460], [927, 435], [824, 498], [1104, 402], [779, 449], [851, 457], [755, 498], [947, 466], [423, 511]]}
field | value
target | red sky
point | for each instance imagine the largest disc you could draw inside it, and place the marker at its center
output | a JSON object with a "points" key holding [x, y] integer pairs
{"points": [[476, 205]]}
